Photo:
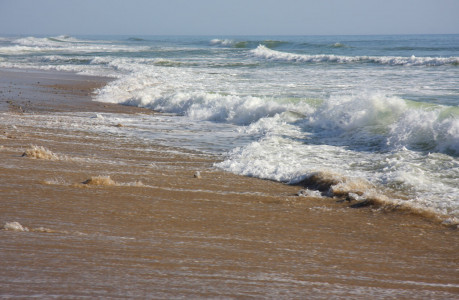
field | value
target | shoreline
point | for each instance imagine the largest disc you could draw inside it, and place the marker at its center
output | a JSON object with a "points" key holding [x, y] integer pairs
{"points": [[145, 214]]}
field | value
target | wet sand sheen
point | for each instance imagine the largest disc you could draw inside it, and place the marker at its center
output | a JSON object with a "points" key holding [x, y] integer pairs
{"points": [[154, 230]]}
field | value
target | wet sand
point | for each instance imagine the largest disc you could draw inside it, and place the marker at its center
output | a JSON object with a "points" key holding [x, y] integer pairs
{"points": [[150, 229]]}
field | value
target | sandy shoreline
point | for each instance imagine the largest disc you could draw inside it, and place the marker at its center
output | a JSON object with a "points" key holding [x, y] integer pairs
{"points": [[156, 231]]}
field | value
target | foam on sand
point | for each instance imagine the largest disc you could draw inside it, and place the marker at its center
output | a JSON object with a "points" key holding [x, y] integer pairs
{"points": [[17, 227], [107, 181], [14, 226], [40, 152], [100, 180]]}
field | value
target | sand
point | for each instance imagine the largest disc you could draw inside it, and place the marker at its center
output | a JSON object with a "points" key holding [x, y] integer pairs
{"points": [[112, 217]]}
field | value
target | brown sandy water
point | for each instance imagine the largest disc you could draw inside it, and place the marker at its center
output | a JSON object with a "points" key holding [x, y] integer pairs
{"points": [[108, 216]]}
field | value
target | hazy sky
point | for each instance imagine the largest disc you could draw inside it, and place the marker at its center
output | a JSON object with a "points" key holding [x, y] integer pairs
{"points": [[228, 17]]}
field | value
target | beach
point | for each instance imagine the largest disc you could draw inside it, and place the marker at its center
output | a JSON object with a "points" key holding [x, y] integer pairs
{"points": [[109, 215]]}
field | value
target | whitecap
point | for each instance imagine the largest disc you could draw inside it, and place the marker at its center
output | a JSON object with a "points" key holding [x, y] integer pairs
{"points": [[263, 52]]}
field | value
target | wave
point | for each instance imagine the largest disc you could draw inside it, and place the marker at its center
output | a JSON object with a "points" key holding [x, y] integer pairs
{"points": [[370, 148], [47, 41], [370, 122], [427, 131], [338, 45], [136, 39], [389, 181], [224, 42], [65, 44], [367, 121], [198, 105], [265, 53], [421, 48], [273, 43], [379, 122], [64, 38], [247, 43], [61, 59]]}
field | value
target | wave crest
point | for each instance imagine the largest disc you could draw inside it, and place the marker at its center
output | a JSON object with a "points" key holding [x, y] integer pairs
{"points": [[265, 53], [198, 105], [224, 42], [376, 120], [425, 130]]}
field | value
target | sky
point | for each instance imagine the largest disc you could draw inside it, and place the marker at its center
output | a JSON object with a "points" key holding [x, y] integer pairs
{"points": [[228, 17]]}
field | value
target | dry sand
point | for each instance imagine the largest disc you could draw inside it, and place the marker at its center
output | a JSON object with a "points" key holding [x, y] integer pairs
{"points": [[111, 217]]}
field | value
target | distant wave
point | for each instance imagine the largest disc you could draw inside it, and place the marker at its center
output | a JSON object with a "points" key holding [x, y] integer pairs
{"points": [[64, 44], [339, 45], [136, 39], [419, 48], [247, 44], [47, 41], [264, 52], [230, 43], [63, 38], [224, 42]]}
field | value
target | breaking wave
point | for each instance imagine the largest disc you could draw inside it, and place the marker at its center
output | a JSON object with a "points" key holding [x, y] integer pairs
{"points": [[344, 131], [370, 121], [377, 122], [383, 150], [199, 105], [247, 43], [224, 42], [65, 44], [265, 53]]}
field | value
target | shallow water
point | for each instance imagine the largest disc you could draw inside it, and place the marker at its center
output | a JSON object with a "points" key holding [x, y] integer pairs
{"points": [[99, 207], [377, 113]]}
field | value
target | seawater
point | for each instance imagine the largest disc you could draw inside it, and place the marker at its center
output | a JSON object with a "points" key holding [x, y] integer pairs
{"points": [[365, 117]]}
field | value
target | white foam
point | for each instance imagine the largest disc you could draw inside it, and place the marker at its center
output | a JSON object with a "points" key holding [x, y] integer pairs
{"points": [[310, 193], [349, 112], [222, 42], [14, 226], [298, 119], [149, 90], [263, 52], [370, 143], [425, 130], [65, 44]]}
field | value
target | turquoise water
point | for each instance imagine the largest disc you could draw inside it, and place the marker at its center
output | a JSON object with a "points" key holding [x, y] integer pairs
{"points": [[376, 116]]}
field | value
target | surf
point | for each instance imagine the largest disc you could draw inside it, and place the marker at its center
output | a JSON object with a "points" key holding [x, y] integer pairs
{"points": [[264, 52]]}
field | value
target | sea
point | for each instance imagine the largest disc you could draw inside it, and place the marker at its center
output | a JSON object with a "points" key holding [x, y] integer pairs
{"points": [[367, 118]]}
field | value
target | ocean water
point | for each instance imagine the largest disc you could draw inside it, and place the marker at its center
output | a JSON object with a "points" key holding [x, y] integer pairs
{"points": [[363, 117]]}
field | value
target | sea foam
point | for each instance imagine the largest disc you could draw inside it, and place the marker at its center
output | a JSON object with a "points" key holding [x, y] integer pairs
{"points": [[40, 152], [65, 44], [222, 42], [14, 226], [196, 105], [264, 52], [381, 118], [369, 144]]}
